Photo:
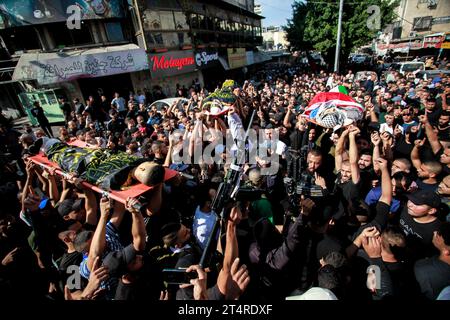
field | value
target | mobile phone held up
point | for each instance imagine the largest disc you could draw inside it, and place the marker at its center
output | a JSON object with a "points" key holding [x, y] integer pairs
{"points": [[178, 276]]}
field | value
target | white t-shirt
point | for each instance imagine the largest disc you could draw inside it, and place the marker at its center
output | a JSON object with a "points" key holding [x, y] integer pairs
{"points": [[384, 127], [202, 226]]}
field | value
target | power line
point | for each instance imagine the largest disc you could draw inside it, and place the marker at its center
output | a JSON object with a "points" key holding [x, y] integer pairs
{"points": [[280, 9]]}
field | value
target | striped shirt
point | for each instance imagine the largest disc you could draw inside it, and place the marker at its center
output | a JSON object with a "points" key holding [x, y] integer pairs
{"points": [[112, 244]]}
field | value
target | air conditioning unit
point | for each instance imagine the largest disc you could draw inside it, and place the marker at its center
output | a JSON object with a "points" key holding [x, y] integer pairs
{"points": [[412, 34]]}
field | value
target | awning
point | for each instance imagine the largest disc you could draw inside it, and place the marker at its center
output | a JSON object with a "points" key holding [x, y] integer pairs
{"points": [[56, 67], [223, 61], [261, 57]]}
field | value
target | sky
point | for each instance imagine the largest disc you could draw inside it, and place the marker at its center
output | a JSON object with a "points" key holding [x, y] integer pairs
{"points": [[275, 11]]}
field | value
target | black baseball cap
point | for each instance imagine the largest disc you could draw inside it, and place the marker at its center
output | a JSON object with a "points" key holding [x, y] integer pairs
{"points": [[170, 228], [117, 261], [81, 240], [69, 205], [429, 198]]}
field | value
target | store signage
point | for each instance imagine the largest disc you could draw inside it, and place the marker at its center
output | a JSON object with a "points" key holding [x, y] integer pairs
{"points": [[237, 57], [206, 58], [171, 63], [168, 62], [47, 69], [433, 42]]}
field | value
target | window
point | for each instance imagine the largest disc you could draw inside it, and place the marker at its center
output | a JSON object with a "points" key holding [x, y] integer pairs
{"points": [[154, 39], [209, 24], [223, 25], [151, 20], [194, 20], [167, 20], [181, 21], [20, 39], [67, 38], [422, 23], [201, 21], [165, 4], [114, 31], [170, 39]]}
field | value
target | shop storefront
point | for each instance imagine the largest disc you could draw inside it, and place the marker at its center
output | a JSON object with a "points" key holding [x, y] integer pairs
{"points": [[80, 73], [208, 61], [169, 69]]}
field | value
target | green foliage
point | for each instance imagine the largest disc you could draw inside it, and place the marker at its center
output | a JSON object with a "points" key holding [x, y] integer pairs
{"points": [[314, 24]]}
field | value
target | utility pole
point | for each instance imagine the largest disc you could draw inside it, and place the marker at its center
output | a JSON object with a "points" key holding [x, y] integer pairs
{"points": [[338, 40]]}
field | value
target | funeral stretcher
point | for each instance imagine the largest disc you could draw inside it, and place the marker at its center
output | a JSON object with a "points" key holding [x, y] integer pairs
{"points": [[133, 191]]}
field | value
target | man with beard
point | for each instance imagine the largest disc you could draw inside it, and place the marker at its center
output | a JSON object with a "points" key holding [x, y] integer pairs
{"points": [[366, 170], [444, 126], [346, 191]]}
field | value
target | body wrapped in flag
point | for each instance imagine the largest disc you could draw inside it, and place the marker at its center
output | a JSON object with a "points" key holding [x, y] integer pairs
{"points": [[332, 109]]}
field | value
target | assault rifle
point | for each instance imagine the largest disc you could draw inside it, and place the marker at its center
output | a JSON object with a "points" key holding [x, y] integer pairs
{"points": [[229, 193]]}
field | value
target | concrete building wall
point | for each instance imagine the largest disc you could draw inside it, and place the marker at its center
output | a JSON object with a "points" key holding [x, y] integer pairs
{"points": [[274, 36], [419, 8]]}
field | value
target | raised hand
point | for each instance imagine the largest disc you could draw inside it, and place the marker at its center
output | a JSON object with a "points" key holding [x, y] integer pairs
{"points": [[200, 290], [320, 181], [372, 246], [241, 279], [375, 138], [382, 163], [235, 215], [10, 257], [132, 204], [419, 143], [306, 206], [423, 119]]}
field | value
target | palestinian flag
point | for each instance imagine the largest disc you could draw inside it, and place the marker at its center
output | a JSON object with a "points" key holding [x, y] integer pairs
{"points": [[341, 89], [331, 109]]}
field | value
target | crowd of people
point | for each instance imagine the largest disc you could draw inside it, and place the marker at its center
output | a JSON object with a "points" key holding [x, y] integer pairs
{"points": [[358, 212]]}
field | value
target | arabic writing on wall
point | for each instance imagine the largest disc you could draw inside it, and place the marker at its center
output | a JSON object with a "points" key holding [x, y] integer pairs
{"points": [[86, 66], [90, 67]]}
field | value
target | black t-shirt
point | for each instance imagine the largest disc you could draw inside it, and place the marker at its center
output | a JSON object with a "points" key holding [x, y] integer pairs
{"points": [[66, 108], [426, 186], [433, 275], [403, 149], [419, 236], [433, 117], [345, 197], [443, 133], [69, 259], [380, 220], [38, 113], [295, 139], [115, 126]]}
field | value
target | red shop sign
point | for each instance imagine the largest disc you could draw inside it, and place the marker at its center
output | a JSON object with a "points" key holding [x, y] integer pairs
{"points": [[433, 42], [171, 63]]}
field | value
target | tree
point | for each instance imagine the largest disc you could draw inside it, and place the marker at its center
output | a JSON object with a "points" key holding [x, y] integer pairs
{"points": [[314, 25], [295, 28]]}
